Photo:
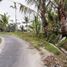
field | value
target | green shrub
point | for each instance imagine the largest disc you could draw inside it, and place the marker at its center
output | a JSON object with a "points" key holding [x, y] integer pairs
{"points": [[53, 38]]}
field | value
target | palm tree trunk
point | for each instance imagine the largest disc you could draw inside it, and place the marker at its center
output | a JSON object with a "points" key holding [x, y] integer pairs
{"points": [[43, 18], [62, 18]]}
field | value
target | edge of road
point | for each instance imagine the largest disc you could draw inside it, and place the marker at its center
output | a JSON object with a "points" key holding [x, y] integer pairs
{"points": [[1, 44]]}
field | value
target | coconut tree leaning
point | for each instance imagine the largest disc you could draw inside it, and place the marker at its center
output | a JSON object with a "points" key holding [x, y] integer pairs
{"points": [[41, 10]]}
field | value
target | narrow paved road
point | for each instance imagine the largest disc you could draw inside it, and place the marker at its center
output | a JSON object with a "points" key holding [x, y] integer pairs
{"points": [[17, 53]]}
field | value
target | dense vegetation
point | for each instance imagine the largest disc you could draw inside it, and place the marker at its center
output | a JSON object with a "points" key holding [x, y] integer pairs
{"points": [[48, 23], [46, 29]]}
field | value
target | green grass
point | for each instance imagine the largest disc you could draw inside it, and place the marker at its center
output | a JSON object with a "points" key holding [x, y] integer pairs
{"points": [[52, 49]]}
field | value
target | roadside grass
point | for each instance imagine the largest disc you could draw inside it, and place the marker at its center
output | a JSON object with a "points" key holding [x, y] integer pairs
{"points": [[37, 42], [34, 40], [30, 37], [41, 42]]}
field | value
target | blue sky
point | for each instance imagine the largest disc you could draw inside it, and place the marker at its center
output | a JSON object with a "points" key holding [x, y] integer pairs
{"points": [[5, 8]]}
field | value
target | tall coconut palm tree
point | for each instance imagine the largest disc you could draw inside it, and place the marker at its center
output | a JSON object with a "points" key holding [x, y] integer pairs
{"points": [[42, 10], [15, 7], [62, 13], [61, 9]]}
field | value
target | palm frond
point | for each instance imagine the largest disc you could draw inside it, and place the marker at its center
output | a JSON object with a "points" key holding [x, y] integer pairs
{"points": [[4, 18], [25, 9]]}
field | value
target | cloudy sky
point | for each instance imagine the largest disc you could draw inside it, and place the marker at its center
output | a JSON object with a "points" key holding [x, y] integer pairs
{"points": [[5, 8]]}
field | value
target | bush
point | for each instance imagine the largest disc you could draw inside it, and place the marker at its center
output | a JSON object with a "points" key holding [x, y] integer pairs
{"points": [[53, 38]]}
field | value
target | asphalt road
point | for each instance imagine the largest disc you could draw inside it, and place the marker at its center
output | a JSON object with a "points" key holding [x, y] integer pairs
{"points": [[17, 53]]}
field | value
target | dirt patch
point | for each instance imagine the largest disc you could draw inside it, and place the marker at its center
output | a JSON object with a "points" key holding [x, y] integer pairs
{"points": [[52, 61]]}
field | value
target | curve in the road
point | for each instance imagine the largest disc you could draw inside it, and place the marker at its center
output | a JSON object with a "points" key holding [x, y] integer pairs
{"points": [[16, 53]]}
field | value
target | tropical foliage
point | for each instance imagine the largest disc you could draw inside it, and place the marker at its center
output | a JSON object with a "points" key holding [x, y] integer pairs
{"points": [[36, 26], [47, 26], [3, 21], [11, 27]]}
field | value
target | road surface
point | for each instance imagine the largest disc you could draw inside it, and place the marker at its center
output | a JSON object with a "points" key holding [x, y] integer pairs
{"points": [[17, 53]]}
